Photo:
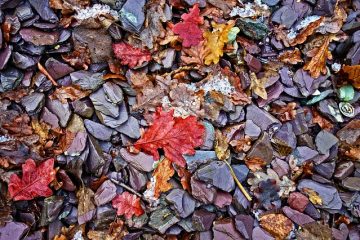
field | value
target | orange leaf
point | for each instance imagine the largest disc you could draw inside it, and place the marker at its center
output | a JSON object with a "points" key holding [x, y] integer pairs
{"points": [[277, 225], [306, 32], [321, 121], [127, 204], [353, 75], [162, 174], [291, 56], [69, 92], [255, 163]]}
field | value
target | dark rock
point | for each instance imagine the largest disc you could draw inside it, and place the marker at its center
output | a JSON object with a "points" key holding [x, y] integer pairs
{"points": [[351, 183], [303, 154], [222, 199], [33, 102], [350, 133], [43, 9], [218, 174], [251, 129], [113, 93], [259, 233], [298, 201], [253, 63], [98, 130], [240, 201], [305, 140], [199, 158], [132, 15], [262, 149], [312, 211], [260, 117], [5, 55], [105, 193], [101, 104], [96, 160], [202, 220], [326, 169], [329, 194], [286, 135], [253, 29], [353, 54], [271, 2], [183, 203], [13, 231], [114, 122], [330, 109], [285, 16], [187, 224], [344, 169], [296, 216], [209, 136], [61, 110], [140, 161], [324, 141], [137, 179], [24, 12], [51, 209], [87, 80], [162, 219], [241, 172], [105, 215], [244, 224], [201, 192], [67, 183], [39, 38], [77, 144], [238, 115], [225, 229], [130, 128], [299, 124], [341, 233], [83, 107], [57, 69], [49, 118], [324, 7]]}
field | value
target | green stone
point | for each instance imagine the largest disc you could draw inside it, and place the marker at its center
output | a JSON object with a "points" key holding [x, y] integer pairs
{"points": [[346, 93], [319, 97], [232, 34], [253, 29]]}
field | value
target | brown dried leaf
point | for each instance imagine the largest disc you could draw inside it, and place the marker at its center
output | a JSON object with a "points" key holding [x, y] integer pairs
{"points": [[194, 54], [19, 126], [314, 231], [162, 175], [115, 232], [255, 163], [185, 177], [85, 204], [306, 32], [258, 86], [80, 58], [277, 225], [321, 121], [314, 197], [284, 113], [15, 95], [281, 35], [291, 56], [353, 75], [334, 23], [221, 146], [319, 56], [41, 129], [69, 92], [241, 145]]}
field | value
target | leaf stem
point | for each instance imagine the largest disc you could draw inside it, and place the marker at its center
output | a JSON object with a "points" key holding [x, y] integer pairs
{"points": [[238, 183]]}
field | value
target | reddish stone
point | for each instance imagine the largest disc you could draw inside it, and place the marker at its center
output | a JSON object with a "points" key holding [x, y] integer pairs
{"points": [[298, 201]]}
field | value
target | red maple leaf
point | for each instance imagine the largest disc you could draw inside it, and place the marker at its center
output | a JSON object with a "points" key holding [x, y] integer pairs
{"points": [[34, 182], [189, 30], [175, 135], [130, 55], [127, 204]]}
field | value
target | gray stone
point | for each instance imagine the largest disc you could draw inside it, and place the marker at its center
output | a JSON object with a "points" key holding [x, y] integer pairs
{"points": [[13, 231], [202, 192], [183, 203], [113, 92], [102, 105], [86, 80], [199, 158], [225, 229], [162, 219], [259, 233], [105, 193], [203, 219], [303, 154], [351, 183], [114, 122], [33, 102], [83, 107], [244, 224], [344, 169], [251, 129], [57, 69], [96, 160], [260, 117], [324, 141], [98, 130], [61, 110], [140, 161], [241, 172], [130, 128], [137, 179], [50, 118], [296, 216], [132, 15], [209, 136]]}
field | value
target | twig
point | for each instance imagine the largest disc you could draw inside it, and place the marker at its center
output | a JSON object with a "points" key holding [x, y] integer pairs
{"points": [[47, 74], [127, 188], [238, 183]]}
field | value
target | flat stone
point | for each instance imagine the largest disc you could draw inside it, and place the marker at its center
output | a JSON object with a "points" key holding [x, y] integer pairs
{"points": [[303, 154], [130, 128], [324, 141], [132, 15], [281, 167], [96, 160], [298, 201], [225, 229], [140, 161], [329, 194], [218, 174], [259, 233], [285, 16], [33, 102], [87, 80], [13, 231], [202, 192], [350, 133], [83, 107], [326, 169], [57, 69], [49, 118], [39, 38], [77, 145], [111, 121], [262, 149], [209, 136], [299, 124], [61, 110], [183, 203], [330, 109], [222, 199], [344, 169], [187, 224], [137, 179], [98, 130], [244, 224], [261, 118], [203, 220], [241, 171], [251, 129], [240, 201], [162, 219], [113, 92], [296, 216], [102, 105], [105, 193], [199, 158], [351, 183], [286, 134]]}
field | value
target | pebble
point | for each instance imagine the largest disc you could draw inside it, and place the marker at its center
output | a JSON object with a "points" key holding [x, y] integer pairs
{"points": [[183, 203], [141, 161], [98, 130]]}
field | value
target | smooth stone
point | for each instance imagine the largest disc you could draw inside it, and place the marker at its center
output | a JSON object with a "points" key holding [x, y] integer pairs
{"points": [[114, 122], [130, 128], [351, 183], [312, 211], [183, 203], [113, 92], [285, 16], [199, 158], [98, 130], [162, 219], [329, 194], [324, 141], [244, 224], [50, 118], [141, 161], [326, 169], [137, 179], [222, 199], [42, 7], [296, 216], [202, 192], [61, 110], [251, 129], [344, 169], [105, 193], [38, 37], [33, 102], [261, 118], [57, 69], [225, 229], [262, 149], [303, 154], [203, 220], [77, 145], [218, 174], [259, 233]]}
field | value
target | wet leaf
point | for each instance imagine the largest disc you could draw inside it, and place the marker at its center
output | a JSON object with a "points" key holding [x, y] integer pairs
{"points": [[315, 231], [69, 92], [130, 55], [306, 32], [321, 121], [284, 112], [34, 182], [176, 136], [80, 58], [221, 146], [277, 225], [162, 174], [127, 204]]}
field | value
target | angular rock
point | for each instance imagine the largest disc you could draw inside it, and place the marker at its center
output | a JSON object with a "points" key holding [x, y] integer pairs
{"points": [[49, 118], [199, 158], [132, 15], [241, 171], [218, 174], [201, 192], [259, 233], [285, 16], [113, 93], [105, 193], [344, 169], [240, 201], [102, 105], [330, 109], [83, 107], [77, 144], [87, 80], [33, 102], [140, 161], [98, 130], [13, 231], [130, 128], [222, 199], [244, 224], [262, 149], [162, 219], [5, 55], [57, 69], [351, 183], [296, 216], [326, 169], [43, 9], [114, 122], [251, 129], [96, 160], [203, 220], [298, 201], [286, 134], [350, 133], [209, 136], [261, 118], [137, 179], [61, 110], [281, 167], [225, 229], [324, 141], [303, 154], [183, 203]]}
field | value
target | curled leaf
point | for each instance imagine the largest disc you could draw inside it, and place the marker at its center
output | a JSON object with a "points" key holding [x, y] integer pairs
{"points": [[291, 56]]}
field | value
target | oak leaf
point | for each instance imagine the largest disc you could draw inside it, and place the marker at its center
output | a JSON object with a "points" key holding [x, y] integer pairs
{"points": [[277, 225], [255, 163], [176, 136], [321, 121], [194, 54], [69, 92], [258, 86], [188, 29], [162, 174], [353, 75], [127, 204], [130, 55], [319, 56], [34, 182], [306, 32], [291, 56], [215, 41]]}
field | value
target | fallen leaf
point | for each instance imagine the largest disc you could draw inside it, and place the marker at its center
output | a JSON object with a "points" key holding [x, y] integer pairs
{"points": [[116, 231], [255, 163], [162, 174], [353, 75], [34, 182], [215, 41], [19, 126], [281, 35], [306, 32], [194, 54], [130, 55], [241, 145], [291, 56], [176, 136], [41, 129], [80, 58], [284, 112], [69, 92], [221, 146], [258, 86], [319, 56], [15, 95], [127, 204], [314, 197], [334, 23], [188, 29], [149, 98], [277, 225], [314, 231], [185, 177], [320, 120], [86, 207]]}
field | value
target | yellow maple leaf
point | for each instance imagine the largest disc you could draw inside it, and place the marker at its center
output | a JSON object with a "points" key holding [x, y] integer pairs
{"points": [[215, 41]]}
